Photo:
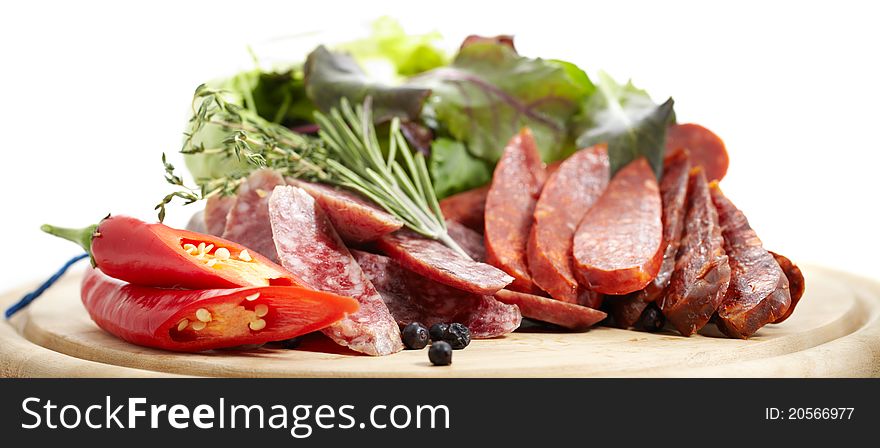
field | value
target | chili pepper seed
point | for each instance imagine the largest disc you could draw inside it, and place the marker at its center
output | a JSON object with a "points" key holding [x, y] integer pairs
{"points": [[245, 256], [182, 324], [199, 326], [222, 253], [261, 310], [257, 325], [252, 297], [190, 248], [203, 315]]}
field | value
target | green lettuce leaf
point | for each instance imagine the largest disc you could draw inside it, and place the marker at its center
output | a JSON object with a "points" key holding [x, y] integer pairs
{"points": [[390, 49], [626, 118], [454, 169], [489, 92]]}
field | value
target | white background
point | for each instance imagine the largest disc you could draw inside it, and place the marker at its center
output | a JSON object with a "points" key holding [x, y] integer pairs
{"points": [[92, 94]]}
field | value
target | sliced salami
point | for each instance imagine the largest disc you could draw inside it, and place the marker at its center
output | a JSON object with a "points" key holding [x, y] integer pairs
{"points": [[467, 208], [309, 247], [759, 290], [469, 240], [567, 195], [248, 220], [355, 219], [413, 298], [706, 149], [796, 284], [545, 309], [510, 204], [434, 260], [618, 245], [216, 209], [701, 276]]}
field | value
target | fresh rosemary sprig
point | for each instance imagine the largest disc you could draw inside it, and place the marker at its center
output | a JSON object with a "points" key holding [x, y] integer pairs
{"points": [[347, 154]]}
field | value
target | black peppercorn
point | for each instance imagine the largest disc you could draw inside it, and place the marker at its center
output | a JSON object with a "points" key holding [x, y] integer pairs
{"points": [[651, 320], [438, 331], [415, 336], [458, 336], [440, 353]]}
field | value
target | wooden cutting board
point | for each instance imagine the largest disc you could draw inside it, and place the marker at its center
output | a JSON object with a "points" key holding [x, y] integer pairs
{"points": [[835, 332]]}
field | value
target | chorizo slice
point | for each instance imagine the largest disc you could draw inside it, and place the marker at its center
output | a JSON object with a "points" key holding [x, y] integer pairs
{"points": [[247, 222], [702, 274], [557, 312], [310, 248], [796, 284], [510, 204], [759, 292], [706, 149], [413, 298], [627, 309], [434, 260], [618, 245], [467, 208], [216, 209], [469, 240], [355, 219], [567, 195]]}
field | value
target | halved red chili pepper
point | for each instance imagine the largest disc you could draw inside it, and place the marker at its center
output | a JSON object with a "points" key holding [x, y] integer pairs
{"points": [[197, 320], [145, 254]]}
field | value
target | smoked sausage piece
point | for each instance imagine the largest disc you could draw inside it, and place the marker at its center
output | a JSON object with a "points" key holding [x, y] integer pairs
{"points": [[216, 209], [469, 240], [510, 204], [795, 283], [618, 245], [545, 309], [434, 260], [467, 208], [702, 274], [567, 195], [759, 292], [627, 309], [310, 248], [413, 298], [706, 149], [355, 219], [248, 220]]}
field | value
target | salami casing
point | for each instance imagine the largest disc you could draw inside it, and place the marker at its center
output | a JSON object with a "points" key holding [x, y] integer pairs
{"points": [[248, 220], [759, 291], [618, 243], [510, 204], [706, 149], [796, 284], [434, 260], [413, 298], [567, 195], [355, 219], [702, 274], [309, 248], [557, 312]]}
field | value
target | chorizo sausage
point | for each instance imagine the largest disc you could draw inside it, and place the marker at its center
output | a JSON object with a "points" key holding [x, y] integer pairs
{"points": [[795, 283], [557, 312], [247, 222], [701, 276], [759, 292], [467, 208], [567, 195], [510, 204], [618, 245], [706, 149]]}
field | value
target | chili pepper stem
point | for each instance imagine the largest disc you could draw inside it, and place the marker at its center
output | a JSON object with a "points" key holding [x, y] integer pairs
{"points": [[83, 236]]}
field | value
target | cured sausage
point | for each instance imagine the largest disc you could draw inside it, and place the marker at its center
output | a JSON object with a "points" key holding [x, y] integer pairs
{"points": [[469, 240], [467, 208], [413, 298], [310, 248], [216, 209], [706, 149], [248, 220], [627, 309], [795, 283], [557, 312], [759, 291], [567, 195], [434, 260], [510, 205], [355, 219], [702, 274], [618, 245]]}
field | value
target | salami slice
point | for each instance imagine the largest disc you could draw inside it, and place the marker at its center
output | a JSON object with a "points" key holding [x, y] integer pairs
{"points": [[567, 195], [309, 247], [355, 219], [467, 208], [469, 240], [216, 209], [413, 298], [706, 149], [702, 274], [618, 243], [795, 283], [759, 291], [434, 260], [196, 222], [248, 220], [627, 309], [557, 312], [510, 205]]}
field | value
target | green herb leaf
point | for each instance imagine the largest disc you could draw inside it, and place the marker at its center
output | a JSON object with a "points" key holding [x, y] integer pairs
{"points": [[625, 118], [390, 49], [454, 169]]}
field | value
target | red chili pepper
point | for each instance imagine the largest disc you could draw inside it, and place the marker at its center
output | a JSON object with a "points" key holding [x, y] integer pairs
{"points": [[145, 254], [190, 321]]}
